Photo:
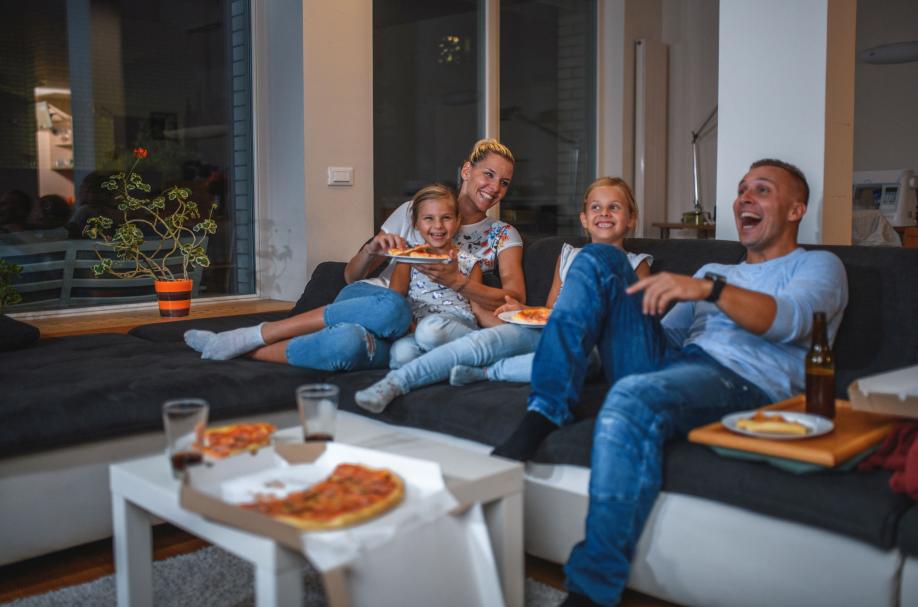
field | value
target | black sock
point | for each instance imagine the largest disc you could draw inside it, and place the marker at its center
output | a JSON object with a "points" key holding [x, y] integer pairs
{"points": [[575, 599], [525, 440]]}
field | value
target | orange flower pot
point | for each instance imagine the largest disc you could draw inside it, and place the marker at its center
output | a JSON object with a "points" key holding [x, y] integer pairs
{"points": [[174, 297]]}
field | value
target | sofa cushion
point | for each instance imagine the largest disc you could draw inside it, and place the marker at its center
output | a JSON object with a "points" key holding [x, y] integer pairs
{"points": [[175, 330], [856, 504], [79, 389], [907, 539], [323, 286], [15, 334]]}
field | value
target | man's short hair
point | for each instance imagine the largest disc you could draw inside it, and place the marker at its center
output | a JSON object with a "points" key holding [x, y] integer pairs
{"points": [[796, 173]]}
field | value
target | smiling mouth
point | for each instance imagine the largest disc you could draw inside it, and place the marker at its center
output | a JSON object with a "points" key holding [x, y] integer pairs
{"points": [[604, 225], [749, 220]]}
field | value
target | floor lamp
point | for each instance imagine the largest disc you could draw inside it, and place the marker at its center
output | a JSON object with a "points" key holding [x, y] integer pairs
{"points": [[696, 215]]}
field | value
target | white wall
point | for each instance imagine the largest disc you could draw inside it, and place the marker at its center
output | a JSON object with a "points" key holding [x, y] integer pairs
{"points": [[774, 72], [886, 96]]}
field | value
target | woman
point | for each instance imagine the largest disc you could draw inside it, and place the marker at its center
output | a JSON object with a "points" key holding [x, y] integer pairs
{"points": [[337, 337]]}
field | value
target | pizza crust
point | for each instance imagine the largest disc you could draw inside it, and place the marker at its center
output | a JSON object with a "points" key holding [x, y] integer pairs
{"points": [[772, 424]]}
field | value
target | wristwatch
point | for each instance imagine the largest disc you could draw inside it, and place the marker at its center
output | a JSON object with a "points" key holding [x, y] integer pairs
{"points": [[719, 283]]}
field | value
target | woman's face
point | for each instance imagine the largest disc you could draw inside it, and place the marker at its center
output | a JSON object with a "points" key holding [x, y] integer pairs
{"points": [[486, 183], [438, 222]]}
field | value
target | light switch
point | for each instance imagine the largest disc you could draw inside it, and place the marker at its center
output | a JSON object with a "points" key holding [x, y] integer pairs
{"points": [[340, 175]]}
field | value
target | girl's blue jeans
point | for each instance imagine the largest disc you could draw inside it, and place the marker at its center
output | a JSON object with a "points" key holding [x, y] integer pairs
{"points": [[359, 328], [658, 392]]}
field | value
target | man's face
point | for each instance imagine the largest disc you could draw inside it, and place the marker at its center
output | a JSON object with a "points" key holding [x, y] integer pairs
{"points": [[767, 209]]}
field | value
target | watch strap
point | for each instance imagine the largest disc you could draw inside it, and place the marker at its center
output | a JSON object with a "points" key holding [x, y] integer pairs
{"points": [[719, 283]]}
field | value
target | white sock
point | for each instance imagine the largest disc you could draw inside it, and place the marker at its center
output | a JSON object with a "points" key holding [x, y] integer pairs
{"points": [[462, 375], [197, 340], [230, 344], [377, 397]]}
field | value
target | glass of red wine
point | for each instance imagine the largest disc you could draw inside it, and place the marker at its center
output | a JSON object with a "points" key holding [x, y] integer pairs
{"points": [[185, 420], [318, 405]]}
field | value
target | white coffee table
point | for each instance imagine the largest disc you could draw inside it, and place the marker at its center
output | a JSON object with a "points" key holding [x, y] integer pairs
{"points": [[143, 491]]}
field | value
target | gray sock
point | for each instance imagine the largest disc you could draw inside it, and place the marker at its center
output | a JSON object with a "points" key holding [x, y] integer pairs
{"points": [[197, 340], [462, 375], [230, 344], [377, 397]]}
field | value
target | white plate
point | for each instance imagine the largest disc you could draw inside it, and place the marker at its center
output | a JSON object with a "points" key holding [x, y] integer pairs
{"points": [[508, 317], [409, 259], [816, 424]]}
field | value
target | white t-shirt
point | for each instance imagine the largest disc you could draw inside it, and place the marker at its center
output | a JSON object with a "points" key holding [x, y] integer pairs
{"points": [[428, 297], [484, 240], [568, 253]]}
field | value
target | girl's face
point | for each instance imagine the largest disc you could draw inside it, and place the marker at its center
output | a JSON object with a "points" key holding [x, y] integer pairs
{"points": [[607, 217], [486, 183], [438, 222]]}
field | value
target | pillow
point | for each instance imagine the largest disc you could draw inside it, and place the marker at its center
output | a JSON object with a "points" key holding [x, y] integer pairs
{"points": [[15, 334]]}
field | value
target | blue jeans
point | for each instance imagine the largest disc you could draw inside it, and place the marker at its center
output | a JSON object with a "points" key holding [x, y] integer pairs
{"points": [[476, 349], [658, 392], [360, 326], [431, 332], [519, 368]]}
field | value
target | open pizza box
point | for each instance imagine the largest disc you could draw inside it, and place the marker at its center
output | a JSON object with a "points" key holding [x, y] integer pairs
{"points": [[892, 393], [409, 538]]}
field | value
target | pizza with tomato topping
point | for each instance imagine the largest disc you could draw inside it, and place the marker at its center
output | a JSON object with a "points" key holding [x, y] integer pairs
{"points": [[534, 316], [421, 251], [352, 494], [224, 441]]}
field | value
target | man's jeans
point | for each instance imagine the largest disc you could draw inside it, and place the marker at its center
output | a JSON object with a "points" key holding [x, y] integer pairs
{"points": [[658, 392], [360, 326], [476, 349]]}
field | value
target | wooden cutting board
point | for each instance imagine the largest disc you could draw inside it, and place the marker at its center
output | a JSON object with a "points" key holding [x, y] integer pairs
{"points": [[854, 432]]}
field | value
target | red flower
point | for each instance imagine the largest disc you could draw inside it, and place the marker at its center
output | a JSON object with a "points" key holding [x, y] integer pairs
{"points": [[140, 153]]}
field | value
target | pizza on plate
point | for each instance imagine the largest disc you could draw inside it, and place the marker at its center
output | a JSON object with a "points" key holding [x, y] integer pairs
{"points": [[772, 424], [352, 494], [420, 251], [224, 441], [534, 316]]}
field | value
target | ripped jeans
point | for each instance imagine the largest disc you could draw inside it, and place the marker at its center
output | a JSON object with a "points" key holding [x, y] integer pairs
{"points": [[360, 326], [658, 392]]}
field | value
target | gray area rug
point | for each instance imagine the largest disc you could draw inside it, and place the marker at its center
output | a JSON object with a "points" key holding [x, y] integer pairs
{"points": [[213, 578]]}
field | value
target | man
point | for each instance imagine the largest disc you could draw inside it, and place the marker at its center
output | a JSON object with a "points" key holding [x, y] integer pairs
{"points": [[735, 340]]}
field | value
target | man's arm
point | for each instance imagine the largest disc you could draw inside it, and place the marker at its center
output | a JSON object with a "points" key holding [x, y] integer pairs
{"points": [[751, 310]]}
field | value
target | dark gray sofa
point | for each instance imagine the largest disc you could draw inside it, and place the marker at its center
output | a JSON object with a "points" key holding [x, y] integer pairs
{"points": [[62, 393]]}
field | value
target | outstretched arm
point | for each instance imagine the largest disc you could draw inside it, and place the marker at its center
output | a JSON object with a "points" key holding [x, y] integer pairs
{"points": [[371, 255]]}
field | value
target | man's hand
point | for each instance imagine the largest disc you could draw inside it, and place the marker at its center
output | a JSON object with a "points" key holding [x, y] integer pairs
{"points": [[382, 242], [664, 288], [446, 274], [511, 305]]}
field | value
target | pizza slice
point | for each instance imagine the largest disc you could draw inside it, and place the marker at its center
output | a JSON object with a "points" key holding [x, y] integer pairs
{"points": [[532, 316], [352, 494], [772, 424], [224, 441], [420, 251]]}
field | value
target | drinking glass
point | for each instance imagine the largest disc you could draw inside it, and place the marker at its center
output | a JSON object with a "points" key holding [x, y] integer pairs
{"points": [[318, 405], [185, 420]]}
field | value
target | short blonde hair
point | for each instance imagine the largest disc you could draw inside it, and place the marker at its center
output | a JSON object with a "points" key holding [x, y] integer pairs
{"points": [[483, 147], [612, 182], [434, 191]]}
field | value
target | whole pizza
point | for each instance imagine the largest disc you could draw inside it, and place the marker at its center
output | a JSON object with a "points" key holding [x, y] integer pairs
{"points": [[224, 441], [352, 494]]}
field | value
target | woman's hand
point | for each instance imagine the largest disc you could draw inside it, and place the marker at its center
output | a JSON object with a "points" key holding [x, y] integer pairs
{"points": [[382, 242], [511, 305]]}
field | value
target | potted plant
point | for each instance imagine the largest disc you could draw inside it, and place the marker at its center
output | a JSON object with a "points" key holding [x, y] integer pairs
{"points": [[172, 218], [8, 295]]}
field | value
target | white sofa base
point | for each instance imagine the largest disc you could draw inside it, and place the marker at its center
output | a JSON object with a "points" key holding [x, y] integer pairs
{"points": [[693, 551]]}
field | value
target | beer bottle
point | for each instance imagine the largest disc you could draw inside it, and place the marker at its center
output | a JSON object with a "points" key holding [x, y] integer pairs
{"points": [[820, 371]]}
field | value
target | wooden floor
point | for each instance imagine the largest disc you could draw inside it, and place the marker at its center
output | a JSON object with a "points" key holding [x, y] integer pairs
{"points": [[91, 561]]}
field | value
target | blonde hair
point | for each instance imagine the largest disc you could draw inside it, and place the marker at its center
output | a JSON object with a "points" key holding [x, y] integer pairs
{"points": [[612, 182], [434, 191], [484, 147]]}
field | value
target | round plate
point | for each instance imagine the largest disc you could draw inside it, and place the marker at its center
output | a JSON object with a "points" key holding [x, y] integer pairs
{"points": [[816, 424], [409, 259], [508, 317]]}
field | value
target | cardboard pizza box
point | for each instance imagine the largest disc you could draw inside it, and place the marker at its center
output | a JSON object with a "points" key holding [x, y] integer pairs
{"points": [[216, 490], [891, 393]]}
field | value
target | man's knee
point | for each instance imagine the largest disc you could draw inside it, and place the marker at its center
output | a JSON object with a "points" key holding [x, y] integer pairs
{"points": [[605, 256]]}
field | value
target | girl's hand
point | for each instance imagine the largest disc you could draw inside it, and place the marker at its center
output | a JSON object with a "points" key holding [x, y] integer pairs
{"points": [[446, 274], [511, 305], [382, 242]]}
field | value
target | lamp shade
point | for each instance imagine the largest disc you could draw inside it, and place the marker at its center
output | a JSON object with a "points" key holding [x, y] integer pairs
{"points": [[897, 52]]}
